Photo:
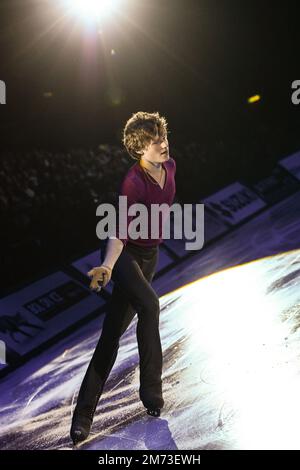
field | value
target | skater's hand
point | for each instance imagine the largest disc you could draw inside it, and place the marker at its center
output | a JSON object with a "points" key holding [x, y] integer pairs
{"points": [[102, 275]]}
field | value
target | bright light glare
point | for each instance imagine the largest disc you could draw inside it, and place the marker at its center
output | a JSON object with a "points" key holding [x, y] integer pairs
{"points": [[253, 99], [92, 9]]}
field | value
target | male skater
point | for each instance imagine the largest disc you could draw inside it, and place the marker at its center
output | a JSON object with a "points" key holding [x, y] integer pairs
{"points": [[131, 264]]}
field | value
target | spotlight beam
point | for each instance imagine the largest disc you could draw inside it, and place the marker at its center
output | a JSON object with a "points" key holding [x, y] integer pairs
{"points": [[92, 10]]}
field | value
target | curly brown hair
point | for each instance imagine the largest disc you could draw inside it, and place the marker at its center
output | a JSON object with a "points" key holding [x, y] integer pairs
{"points": [[140, 129]]}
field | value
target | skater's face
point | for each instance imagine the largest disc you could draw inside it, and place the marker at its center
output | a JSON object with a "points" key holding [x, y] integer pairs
{"points": [[158, 150]]}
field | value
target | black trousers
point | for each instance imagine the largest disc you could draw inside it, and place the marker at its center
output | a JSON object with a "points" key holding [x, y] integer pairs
{"points": [[132, 293]]}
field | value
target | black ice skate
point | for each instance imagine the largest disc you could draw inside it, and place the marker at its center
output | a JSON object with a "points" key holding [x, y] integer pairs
{"points": [[154, 412], [80, 429]]}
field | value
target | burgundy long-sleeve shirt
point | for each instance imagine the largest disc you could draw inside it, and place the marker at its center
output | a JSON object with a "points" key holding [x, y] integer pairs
{"points": [[142, 188]]}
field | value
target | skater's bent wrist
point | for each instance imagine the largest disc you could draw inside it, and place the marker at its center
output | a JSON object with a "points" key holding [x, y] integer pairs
{"points": [[107, 266]]}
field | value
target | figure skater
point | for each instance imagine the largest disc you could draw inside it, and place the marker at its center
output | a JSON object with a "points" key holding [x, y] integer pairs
{"points": [[131, 263]]}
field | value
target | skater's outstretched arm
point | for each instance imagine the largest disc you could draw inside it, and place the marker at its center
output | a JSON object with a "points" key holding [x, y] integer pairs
{"points": [[113, 250], [102, 274]]}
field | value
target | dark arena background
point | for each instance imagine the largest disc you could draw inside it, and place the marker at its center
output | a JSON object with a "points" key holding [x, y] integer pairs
{"points": [[226, 76]]}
